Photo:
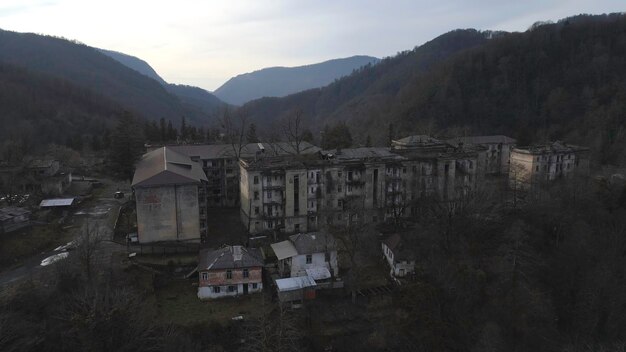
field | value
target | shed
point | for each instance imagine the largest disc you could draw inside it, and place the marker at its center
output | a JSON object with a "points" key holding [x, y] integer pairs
{"points": [[294, 289], [57, 202]]}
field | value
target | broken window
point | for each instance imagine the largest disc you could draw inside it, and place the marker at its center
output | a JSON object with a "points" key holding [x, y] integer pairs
{"points": [[256, 195], [254, 286], [216, 289], [309, 258], [205, 276]]}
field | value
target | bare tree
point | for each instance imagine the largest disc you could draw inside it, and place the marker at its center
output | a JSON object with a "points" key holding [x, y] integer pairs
{"points": [[235, 126], [87, 244], [294, 132]]}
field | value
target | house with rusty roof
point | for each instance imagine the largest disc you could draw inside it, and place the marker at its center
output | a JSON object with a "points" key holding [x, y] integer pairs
{"points": [[169, 193], [229, 271]]}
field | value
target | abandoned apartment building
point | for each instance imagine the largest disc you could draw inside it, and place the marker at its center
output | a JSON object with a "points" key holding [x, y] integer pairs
{"points": [[536, 165], [170, 200], [221, 165], [301, 193]]}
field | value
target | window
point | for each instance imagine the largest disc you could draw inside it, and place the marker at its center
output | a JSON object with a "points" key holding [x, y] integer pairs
{"points": [[205, 276], [254, 286], [216, 289], [246, 274], [349, 175], [339, 202], [537, 168], [404, 170], [309, 259], [229, 274], [269, 194], [256, 180], [339, 188], [339, 217], [349, 188], [297, 227], [232, 288], [339, 174], [256, 195], [256, 210]]}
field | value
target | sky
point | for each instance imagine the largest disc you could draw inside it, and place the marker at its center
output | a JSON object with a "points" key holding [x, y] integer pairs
{"points": [[205, 42]]}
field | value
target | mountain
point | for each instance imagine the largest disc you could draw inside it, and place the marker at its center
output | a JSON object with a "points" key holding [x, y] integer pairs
{"points": [[129, 82], [561, 80], [367, 90], [196, 101], [135, 63], [282, 81]]}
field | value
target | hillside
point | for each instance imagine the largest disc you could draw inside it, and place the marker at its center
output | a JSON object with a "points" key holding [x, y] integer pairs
{"points": [[370, 88], [135, 63], [90, 69], [282, 81], [554, 81], [36, 109], [196, 101]]}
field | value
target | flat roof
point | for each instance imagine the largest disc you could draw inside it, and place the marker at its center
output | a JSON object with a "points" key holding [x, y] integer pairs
{"points": [[284, 249], [57, 202], [295, 283], [318, 273]]}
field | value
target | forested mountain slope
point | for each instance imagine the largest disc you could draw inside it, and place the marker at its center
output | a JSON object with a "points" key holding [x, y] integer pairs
{"points": [[282, 81], [370, 86]]}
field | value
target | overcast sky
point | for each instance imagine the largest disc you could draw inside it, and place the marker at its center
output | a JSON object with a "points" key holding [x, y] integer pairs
{"points": [[205, 42]]}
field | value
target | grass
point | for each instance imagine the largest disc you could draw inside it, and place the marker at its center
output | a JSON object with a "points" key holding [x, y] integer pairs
{"points": [[178, 303], [27, 242]]}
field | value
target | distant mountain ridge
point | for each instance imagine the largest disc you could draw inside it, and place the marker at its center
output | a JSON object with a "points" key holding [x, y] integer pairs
{"points": [[282, 81], [135, 63]]}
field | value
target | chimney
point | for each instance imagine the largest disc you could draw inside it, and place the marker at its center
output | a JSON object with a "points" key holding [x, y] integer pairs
{"points": [[236, 250]]}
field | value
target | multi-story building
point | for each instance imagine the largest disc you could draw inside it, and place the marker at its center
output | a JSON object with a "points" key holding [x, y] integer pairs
{"points": [[299, 194], [221, 165], [170, 200], [539, 164], [497, 150]]}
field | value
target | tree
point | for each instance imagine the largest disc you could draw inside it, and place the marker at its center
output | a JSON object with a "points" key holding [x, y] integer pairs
{"points": [[251, 136], [163, 130], [184, 132], [235, 126], [336, 137], [368, 141], [293, 131], [127, 146], [172, 134]]}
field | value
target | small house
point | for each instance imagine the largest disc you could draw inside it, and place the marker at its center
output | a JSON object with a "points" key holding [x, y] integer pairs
{"points": [[295, 289], [315, 250], [399, 256], [229, 271]]}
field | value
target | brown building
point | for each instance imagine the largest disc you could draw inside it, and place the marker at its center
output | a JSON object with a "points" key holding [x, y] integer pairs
{"points": [[169, 193], [229, 271]]}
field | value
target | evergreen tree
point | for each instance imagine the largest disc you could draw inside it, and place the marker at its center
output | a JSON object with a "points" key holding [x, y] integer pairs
{"points": [[127, 146], [171, 132], [251, 136], [338, 136], [184, 131], [368, 141], [163, 130]]}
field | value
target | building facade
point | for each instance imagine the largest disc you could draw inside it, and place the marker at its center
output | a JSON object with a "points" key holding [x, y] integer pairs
{"points": [[496, 150], [229, 271], [303, 193], [401, 260], [170, 198], [537, 165]]}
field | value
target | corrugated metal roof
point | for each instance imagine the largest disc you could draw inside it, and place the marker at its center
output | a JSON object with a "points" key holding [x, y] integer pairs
{"points": [[218, 151], [164, 166], [284, 249], [295, 283], [59, 202]]}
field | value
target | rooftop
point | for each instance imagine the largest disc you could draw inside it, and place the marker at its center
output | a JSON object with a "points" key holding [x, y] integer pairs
{"points": [[313, 242], [367, 153], [58, 202], [164, 166], [218, 151], [229, 257], [548, 148], [417, 141], [497, 139], [295, 283], [398, 245]]}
